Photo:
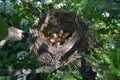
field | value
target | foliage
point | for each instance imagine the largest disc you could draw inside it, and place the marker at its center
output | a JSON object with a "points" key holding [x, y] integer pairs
{"points": [[3, 29], [103, 18]]}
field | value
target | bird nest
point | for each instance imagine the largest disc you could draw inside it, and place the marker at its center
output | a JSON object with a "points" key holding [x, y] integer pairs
{"points": [[58, 37]]}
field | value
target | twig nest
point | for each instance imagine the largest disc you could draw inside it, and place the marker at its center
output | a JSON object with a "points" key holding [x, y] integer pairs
{"points": [[58, 37]]}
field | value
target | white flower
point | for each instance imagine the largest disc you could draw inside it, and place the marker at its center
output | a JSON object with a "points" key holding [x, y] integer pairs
{"points": [[38, 4], [60, 5], [112, 46], [1, 6], [118, 15], [106, 14], [9, 8], [21, 55], [47, 1], [18, 2], [24, 22]]}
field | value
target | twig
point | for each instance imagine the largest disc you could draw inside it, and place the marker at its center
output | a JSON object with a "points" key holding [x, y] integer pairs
{"points": [[34, 9]]}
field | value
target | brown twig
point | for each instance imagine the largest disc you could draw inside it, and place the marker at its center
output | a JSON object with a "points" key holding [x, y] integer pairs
{"points": [[34, 9]]}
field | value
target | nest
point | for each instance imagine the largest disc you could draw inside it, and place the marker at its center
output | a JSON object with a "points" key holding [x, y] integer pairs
{"points": [[58, 37]]}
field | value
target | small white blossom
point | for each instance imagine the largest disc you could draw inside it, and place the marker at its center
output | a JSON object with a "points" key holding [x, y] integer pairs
{"points": [[9, 8], [18, 2], [60, 5], [118, 15], [21, 55], [106, 14], [47, 1], [1, 6], [112, 46], [24, 22], [38, 4]]}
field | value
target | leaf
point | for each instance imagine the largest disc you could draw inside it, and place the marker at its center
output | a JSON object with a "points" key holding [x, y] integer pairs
{"points": [[115, 58], [3, 29]]}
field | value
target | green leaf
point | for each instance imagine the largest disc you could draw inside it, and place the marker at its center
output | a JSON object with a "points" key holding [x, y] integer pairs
{"points": [[115, 58], [3, 29]]}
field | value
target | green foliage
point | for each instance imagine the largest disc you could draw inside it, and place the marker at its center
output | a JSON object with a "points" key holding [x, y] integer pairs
{"points": [[3, 28], [69, 72], [103, 18]]}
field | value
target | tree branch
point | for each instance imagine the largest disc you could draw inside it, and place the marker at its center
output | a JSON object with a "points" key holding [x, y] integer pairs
{"points": [[117, 1], [46, 69], [2, 42], [14, 34], [5, 72], [34, 9], [87, 71]]}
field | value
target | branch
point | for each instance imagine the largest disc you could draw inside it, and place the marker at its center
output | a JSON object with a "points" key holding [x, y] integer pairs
{"points": [[47, 69], [14, 34], [87, 71], [2, 43], [117, 1], [34, 9]]}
